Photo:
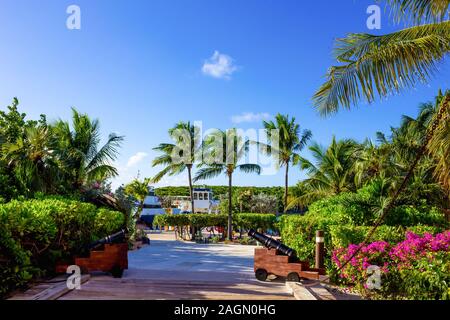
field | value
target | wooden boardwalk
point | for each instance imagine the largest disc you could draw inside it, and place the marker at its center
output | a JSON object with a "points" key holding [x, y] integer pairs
{"points": [[107, 288]]}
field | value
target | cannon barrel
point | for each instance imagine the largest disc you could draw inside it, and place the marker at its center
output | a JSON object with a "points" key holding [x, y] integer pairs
{"points": [[114, 238], [271, 243]]}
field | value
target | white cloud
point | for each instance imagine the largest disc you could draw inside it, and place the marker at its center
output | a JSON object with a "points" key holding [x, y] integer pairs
{"points": [[135, 159], [220, 66], [250, 117]]}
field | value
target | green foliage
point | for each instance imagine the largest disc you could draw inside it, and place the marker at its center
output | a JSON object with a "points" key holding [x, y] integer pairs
{"points": [[346, 219], [35, 233], [241, 220], [429, 279], [409, 215], [219, 191], [55, 158], [344, 208], [255, 221]]}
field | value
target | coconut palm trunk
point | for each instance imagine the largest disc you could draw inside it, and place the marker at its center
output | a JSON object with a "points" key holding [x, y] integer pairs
{"points": [[286, 187], [230, 209], [191, 188]]}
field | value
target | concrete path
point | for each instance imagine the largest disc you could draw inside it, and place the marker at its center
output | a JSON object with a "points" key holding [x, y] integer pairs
{"points": [[169, 269]]}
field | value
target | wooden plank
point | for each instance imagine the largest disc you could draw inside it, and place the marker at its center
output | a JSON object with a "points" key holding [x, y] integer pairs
{"points": [[57, 290]]}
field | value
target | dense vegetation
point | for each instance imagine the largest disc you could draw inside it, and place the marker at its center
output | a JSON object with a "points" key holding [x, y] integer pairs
{"points": [[35, 234], [241, 221], [221, 191], [52, 178], [54, 158]]}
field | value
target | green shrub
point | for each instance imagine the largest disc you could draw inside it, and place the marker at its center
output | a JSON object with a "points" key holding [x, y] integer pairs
{"points": [[407, 215], [345, 208], [425, 280], [255, 221], [240, 220], [299, 232], [36, 233]]}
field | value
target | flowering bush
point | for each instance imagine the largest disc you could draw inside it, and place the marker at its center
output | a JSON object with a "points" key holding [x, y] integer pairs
{"points": [[417, 268]]}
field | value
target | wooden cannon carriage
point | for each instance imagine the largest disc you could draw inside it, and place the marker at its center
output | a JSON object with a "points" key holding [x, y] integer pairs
{"points": [[105, 255], [280, 260]]}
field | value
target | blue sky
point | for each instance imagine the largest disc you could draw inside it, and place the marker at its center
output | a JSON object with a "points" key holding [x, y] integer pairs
{"points": [[139, 66]]}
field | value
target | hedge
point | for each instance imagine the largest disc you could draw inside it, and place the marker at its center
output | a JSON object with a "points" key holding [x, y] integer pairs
{"points": [[298, 232], [34, 234], [240, 220]]}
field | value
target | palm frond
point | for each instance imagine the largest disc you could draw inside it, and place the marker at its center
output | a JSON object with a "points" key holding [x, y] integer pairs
{"points": [[250, 168], [208, 173], [107, 153], [419, 10], [382, 65]]}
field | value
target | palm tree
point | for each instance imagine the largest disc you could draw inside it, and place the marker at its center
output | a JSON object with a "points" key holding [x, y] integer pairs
{"points": [[32, 157], [369, 64], [290, 142], [332, 173], [171, 159], [139, 191], [78, 149], [439, 146], [225, 150]]}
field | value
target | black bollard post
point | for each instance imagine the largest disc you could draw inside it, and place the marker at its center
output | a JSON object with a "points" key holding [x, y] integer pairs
{"points": [[320, 249]]}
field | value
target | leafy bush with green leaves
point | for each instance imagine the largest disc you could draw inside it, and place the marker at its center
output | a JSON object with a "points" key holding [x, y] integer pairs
{"points": [[347, 218], [36, 233], [346, 208], [240, 220], [408, 215]]}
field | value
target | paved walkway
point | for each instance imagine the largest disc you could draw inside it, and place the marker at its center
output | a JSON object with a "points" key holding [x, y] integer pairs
{"points": [[169, 269]]}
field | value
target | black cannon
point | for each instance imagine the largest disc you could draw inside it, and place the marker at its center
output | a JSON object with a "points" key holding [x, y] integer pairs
{"points": [[118, 237], [271, 243]]}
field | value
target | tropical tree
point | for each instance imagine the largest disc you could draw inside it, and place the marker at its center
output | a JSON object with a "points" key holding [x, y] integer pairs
{"points": [[181, 156], [139, 191], [439, 145], [331, 173], [223, 154], [32, 158], [386, 64], [78, 148], [290, 141], [12, 127]]}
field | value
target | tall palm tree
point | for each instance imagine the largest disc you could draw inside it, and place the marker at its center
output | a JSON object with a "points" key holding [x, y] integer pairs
{"points": [[369, 64], [83, 161], [186, 137], [290, 142], [225, 150]]}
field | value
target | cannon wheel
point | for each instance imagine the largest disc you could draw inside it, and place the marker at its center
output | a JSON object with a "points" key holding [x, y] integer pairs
{"points": [[117, 271], [293, 277], [261, 274]]}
